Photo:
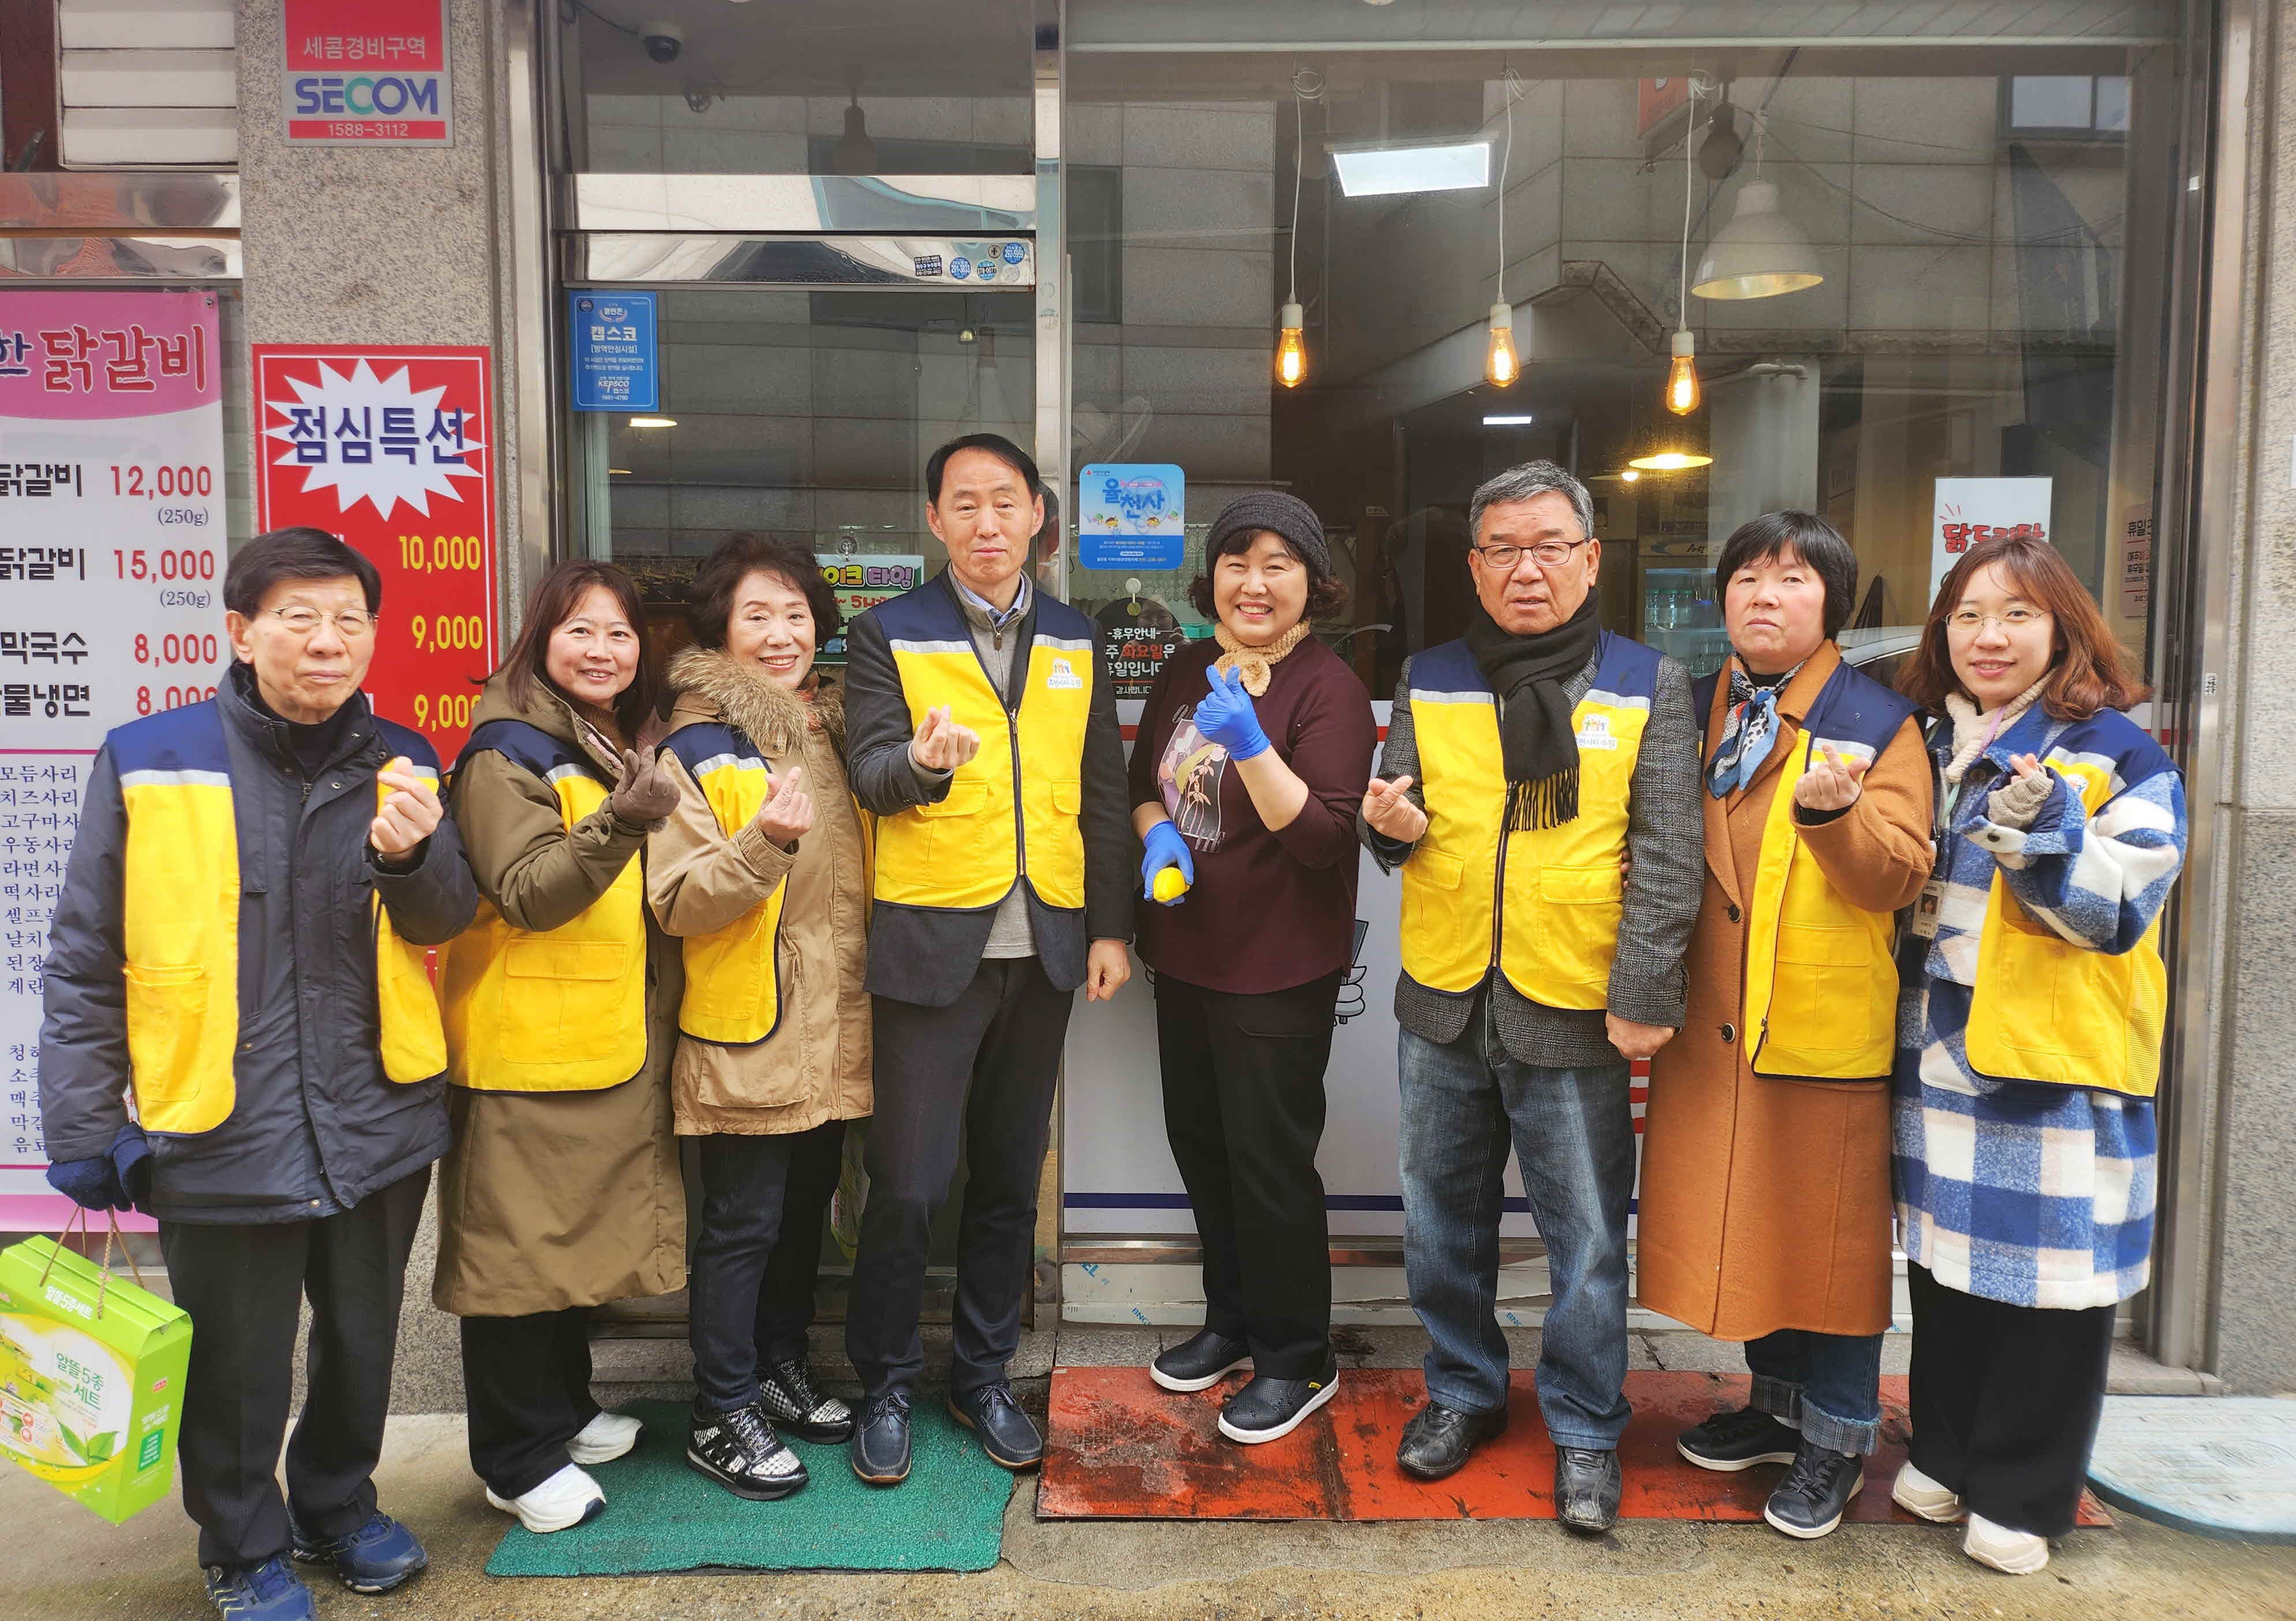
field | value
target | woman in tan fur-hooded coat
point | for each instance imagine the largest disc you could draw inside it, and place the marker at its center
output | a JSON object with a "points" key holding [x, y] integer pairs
{"points": [[763, 872]]}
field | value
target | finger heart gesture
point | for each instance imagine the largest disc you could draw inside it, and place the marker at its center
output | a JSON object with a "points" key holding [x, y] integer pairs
{"points": [[787, 814]]}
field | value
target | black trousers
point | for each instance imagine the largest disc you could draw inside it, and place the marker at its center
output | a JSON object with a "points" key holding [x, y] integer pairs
{"points": [[243, 1287], [983, 1066], [757, 1258], [526, 1383], [2005, 1402], [1243, 1108]]}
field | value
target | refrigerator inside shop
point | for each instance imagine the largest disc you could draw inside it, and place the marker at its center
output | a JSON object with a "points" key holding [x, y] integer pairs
{"points": [[1679, 613]]}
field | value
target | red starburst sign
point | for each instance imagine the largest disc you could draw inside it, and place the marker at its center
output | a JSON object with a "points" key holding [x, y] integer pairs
{"points": [[389, 447]]}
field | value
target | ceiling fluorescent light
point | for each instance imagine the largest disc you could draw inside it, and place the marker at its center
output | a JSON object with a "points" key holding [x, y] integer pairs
{"points": [[1506, 422], [1384, 171]]}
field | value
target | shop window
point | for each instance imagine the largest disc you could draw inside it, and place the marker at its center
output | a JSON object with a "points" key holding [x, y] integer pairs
{"points": [[1095, 237], [2076, 108], [143, 86]]}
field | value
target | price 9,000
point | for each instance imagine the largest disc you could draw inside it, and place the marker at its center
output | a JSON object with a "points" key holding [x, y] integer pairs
{"points": [[443, 711]]}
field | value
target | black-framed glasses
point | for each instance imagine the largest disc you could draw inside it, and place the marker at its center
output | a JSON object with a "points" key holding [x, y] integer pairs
{"points": [[1547, 554]]}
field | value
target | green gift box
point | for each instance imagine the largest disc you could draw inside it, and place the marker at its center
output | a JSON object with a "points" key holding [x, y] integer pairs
{"points": [[91, 1378]]}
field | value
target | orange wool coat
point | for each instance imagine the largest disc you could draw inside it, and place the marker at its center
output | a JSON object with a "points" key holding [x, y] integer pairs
{"points": [[1764, 1202]]}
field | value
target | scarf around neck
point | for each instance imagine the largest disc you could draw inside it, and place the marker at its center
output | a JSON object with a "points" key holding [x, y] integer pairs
{"points": [[1750, 730], [1537, 742], [1255, 662], [1974, 731]]}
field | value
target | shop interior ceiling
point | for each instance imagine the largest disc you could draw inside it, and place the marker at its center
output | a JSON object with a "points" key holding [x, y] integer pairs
{"points": [[898, 47]]}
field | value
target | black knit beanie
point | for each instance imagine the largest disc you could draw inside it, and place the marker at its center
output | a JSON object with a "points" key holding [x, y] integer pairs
{"points": [[1284, 514]]}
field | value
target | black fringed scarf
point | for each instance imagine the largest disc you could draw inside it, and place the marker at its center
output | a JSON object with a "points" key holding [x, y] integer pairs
{"points": [[1537, 738]]}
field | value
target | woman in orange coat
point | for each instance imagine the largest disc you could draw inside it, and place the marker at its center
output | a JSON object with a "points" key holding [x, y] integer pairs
{"points": [[1764, 1211]]}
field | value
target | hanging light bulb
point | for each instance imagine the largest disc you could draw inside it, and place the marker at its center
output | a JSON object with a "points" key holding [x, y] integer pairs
{"points": [[1501, 365], [1292, 348], [856, 151], [1630, 475], [1682, 394], [1671, 461]]}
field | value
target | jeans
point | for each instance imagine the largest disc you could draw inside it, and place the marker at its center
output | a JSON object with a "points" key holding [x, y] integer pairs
{"points": [[1572, 1132], [1827, 1385]]}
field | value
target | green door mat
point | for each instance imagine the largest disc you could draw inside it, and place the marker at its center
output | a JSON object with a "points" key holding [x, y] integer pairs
{"points": [[661, 1516]]}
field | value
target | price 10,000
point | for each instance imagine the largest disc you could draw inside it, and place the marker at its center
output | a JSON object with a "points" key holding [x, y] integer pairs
{"points": [[439, 553]]}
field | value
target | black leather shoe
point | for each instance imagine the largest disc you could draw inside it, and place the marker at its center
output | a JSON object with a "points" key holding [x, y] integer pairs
{"points": [[1200, 1362], [1816, 1492], [1437, 1439], [1268, 1408], [1007, 1435], [1587, 1488], [881, 1440]]}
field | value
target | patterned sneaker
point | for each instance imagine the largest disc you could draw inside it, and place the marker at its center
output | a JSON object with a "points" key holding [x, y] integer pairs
{"points": [[787, 1394], [739, 1452]]}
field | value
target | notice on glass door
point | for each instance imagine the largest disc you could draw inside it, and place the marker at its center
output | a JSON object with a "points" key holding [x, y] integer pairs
{"points": [[112, 559], [1970, 510]]}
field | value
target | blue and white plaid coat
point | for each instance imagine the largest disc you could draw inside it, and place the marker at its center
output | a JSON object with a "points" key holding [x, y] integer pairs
{"points": [[2032, 1194]]}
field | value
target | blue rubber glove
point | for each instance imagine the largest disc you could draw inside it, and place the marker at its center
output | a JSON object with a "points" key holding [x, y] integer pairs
{"points": [[92, 1184], [1225, 716], [1166, 848]]}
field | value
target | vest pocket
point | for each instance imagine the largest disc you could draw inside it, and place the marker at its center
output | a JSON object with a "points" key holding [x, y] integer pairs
{"points": [[1825, 989], [1430, 917], [1576, 936], [167, 1035], [557, 1009]]}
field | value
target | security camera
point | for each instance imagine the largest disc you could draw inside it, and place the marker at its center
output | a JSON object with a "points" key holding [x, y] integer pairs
{"points": [[663, 40]]}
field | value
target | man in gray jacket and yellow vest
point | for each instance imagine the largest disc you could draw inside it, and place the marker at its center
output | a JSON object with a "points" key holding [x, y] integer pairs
{"points": [[982, 729], [242, 1036], [1525, 765]]}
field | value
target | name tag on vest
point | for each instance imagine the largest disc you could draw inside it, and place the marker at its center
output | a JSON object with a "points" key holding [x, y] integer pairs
{"points": [[1063, 678], [1595, 733]]}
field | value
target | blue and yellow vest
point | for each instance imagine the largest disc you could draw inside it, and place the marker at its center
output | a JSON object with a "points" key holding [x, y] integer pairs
{"points": [[1011, 812], [1542, 905], [2046, 1009], [1821, 983], [563, 1009], [733, 975], [180, 929]]}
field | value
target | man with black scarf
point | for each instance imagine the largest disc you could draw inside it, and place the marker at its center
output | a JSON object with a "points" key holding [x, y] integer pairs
{"points": [[1539, 791]]}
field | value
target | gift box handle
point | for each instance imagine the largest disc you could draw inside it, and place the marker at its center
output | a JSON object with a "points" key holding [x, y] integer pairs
{"points": [[103, 1267]]}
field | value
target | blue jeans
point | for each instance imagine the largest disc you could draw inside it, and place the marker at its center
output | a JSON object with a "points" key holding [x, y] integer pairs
{"points": [[1572, 1131], [1827, 1385]]}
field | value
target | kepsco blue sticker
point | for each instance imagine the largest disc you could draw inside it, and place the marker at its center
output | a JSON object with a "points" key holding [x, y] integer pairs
{"points": [[960, 268], [1014, 252]]}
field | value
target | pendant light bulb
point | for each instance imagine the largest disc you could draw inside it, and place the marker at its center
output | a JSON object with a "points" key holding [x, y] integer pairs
{"points": [[1682, 395], [1501, 365], [1292, 348]]}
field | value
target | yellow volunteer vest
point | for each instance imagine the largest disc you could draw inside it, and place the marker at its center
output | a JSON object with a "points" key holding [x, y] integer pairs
{"points": [[1542, 905], [733, 978], [1821, 981], [180, 925], [2046, 1009], [563, 1009], [1011, 812]]}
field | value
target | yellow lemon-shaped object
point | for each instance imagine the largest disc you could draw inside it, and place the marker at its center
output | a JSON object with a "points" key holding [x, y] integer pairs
{"points": [[1170, 884]]}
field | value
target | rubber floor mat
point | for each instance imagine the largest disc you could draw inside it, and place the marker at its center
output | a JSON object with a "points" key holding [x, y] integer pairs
{"points": [[1120, 1447]]}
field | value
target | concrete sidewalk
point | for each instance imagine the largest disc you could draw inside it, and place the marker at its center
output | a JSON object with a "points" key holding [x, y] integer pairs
{"points": [[62, 1564]]}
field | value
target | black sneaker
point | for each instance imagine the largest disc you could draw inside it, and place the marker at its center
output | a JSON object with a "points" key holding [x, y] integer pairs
{"points": [[880, 1451], [1739, 1439], [1200, 1361], [739, 1452], [1437, 1439], [1587, 1485], [787, 1395], [1816, 1492], [1268, 1408], [1007, 1435]]}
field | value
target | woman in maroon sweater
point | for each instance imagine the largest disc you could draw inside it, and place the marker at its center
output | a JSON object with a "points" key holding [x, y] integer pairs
{"points": [[1252, 758]]}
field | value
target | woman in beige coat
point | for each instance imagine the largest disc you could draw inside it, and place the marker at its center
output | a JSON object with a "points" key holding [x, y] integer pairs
{"points": [[762, 871], [1764, 1206], [561, 1190]]}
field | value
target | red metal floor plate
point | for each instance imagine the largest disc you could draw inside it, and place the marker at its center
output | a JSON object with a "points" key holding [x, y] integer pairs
{"points": [[1121, 1448]]}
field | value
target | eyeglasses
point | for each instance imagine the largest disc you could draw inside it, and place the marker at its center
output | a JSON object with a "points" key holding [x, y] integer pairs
{"points": [[1968, 621], [350, 625], [1547, 554]]}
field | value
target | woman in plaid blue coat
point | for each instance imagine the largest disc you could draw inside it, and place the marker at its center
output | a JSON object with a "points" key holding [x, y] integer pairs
{"points": [[2028, 1044]]}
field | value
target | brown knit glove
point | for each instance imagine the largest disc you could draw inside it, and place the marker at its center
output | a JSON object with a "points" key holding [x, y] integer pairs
{"points": [[2017, 802]]}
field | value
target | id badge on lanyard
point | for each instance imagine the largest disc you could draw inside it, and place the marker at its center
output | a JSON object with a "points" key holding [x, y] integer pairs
{"points": [[1922, 920]]}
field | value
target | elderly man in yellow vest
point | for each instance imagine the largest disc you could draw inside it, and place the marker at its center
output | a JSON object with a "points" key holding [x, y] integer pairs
{"points": [[1539, 791], [240, 1036]]}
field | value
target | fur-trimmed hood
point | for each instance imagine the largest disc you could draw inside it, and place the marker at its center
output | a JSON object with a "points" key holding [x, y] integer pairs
{"points": [[708, 685]]}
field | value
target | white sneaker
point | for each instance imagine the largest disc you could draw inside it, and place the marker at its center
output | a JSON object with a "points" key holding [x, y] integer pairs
{"points": [[567, 1498], [2015, 1552], [1916, 1493], [604, 1438]]}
